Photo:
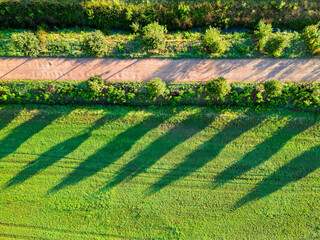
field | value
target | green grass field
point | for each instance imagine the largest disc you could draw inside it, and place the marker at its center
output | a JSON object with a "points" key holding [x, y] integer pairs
{"points": [[158, 173]]}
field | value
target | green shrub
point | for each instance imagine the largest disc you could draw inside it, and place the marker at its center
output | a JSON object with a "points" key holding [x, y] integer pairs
{"points": [[27, 43], [311, 35], [259, 93], [242, 48], [297, 95], [273, 88], [183, 19], [263, 30], [4, 93], [94, 85], [120, 14], [275, 44], [218, 87], [156, 87], [262, 33], [95, 44], [154, 36], [135, 27], [315, 95], [213, 41]]}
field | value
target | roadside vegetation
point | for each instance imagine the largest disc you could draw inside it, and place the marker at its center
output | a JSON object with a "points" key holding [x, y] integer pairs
{"points": [[217, 93], [137, 29], [98, 159], [176, 15], [80, 42], [158, 173]]}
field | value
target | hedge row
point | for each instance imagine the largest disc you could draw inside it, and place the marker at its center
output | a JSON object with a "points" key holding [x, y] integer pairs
{"points": [[153, 37], [174, 14], [217, 92]]}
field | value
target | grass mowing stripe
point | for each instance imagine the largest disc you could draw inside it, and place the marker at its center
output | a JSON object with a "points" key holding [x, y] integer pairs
{"points": [[193, 145], [250, 179], [6, 117], [297, 168], [255, 158], [131, 135], [57, 230], [43, 162], [200, 157], [18, 135], [138, 165], [10, 236]]}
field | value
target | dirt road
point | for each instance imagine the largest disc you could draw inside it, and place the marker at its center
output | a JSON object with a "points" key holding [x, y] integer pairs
{"points": [[235, 70]]}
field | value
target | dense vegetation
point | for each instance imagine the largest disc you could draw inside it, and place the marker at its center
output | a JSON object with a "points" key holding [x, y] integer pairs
{"points": [[174, 14], [185, 44], [165, 173], [157, 160], [150, 22], [218, 93]]}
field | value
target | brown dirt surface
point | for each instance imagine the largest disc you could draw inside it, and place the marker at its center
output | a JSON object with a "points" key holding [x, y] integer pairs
{"points": [[187, 70]]}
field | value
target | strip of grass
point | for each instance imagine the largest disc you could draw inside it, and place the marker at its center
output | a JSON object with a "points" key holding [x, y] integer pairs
{"points": [[121, 44], [163, 173]]}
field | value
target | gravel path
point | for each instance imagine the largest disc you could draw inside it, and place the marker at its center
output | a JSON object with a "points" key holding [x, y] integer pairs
{"points": [[235, 70]]}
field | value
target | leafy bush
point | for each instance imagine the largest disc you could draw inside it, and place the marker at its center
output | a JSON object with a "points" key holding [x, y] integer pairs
{"points": [[275, 44], [95, 44], [154, 36], [5, 93], [315, 95], [41, 34], [135, 27], [259, 92], [95, 85], [263, 30], [253, 95], [262, 33], [273, 88], [218, 87], [213, 41], [183, 19], [121, 14], [27, 43], [156, 87], [242, 48], [311, 35]]}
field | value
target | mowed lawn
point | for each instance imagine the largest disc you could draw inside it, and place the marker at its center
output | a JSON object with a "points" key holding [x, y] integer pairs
{"points": [[158, 173]]}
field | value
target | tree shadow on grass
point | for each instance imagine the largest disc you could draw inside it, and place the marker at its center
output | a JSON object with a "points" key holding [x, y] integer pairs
{"points": [[56, 153], [262, 152], [111, 152], [26, 130], [206, 152], [160, 147], [293, 171], [7, 116]]}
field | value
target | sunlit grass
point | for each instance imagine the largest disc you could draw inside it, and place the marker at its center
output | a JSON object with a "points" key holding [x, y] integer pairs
{"points": [[163, 173]]}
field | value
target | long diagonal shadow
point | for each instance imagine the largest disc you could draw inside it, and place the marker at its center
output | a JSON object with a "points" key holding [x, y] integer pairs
{"points": [[178, 134], [7, 116], [26, 130], [15, 68], [128, 66], [70, 70], [293, 171], [56, 153], [262, 152], [110, 153], [206, 152]]}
